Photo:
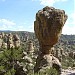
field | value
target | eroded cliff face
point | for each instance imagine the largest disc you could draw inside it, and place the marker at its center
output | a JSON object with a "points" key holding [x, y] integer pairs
{"points": [[48, 27]]}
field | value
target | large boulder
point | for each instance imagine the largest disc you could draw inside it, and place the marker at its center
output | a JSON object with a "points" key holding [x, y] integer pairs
{"points": [[43, 61], [47, 61], [48, 27]]}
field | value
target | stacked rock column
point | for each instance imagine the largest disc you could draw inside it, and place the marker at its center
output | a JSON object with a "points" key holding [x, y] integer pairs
{"points": [[48, 27], [30, 47]]}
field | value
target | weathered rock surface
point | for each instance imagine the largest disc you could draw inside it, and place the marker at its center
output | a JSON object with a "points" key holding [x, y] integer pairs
{"points": [[72, 55], [47, 61], [9, 41], [56, 64], [43, 61], [30, 47], [16, 40], [1, 42], [48, 27]]}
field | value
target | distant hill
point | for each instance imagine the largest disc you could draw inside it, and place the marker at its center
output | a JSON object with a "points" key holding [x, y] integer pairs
{"points": [[5, 30], [31, 34], [65, 41]]}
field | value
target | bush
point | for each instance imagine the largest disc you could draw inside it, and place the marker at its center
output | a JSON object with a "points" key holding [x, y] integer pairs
{"points": [[8, 59], [50, 71]]}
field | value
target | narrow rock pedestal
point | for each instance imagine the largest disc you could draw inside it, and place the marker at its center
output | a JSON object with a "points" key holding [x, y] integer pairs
{"points": [[48, 27]]}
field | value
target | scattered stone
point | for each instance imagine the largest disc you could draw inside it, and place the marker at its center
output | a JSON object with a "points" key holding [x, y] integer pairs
{"points": [[27, 59]]}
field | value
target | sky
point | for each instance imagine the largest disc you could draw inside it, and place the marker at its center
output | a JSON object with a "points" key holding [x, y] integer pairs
{"points": [[19, 15]]}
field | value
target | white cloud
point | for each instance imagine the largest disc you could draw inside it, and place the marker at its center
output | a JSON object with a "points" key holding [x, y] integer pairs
{"points": [[49, 2], [69, 27], [2, 0], [6, 24], [26, 27]]}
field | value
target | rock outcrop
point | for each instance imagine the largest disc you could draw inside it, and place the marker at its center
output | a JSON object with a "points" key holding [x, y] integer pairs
{"points": [[48, 27], [16, 40], [1, 39], [1, 42], [72, 55], [9, 41], [30, 47]]}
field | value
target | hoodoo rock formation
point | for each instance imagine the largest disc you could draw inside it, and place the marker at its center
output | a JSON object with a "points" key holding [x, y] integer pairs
{"points": [[48, 27], [16, 40], [9, 41], [30, 47]]}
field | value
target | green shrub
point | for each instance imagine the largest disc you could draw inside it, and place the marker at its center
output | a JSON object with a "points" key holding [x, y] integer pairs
{"points": [[50, 71], [8, 59]]}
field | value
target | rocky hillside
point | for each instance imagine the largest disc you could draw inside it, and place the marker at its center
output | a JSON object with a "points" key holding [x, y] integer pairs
{"points": [[65, 41], [29, 43]]}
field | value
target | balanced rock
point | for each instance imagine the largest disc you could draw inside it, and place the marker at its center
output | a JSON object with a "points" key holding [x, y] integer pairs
{"points": [[48, 27]]}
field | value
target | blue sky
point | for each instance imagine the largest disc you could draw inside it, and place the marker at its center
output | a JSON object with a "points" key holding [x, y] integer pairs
{"points": [[19, 15]]}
